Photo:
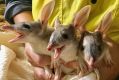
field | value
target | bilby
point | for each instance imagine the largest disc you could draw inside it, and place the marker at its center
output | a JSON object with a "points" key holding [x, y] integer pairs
{"points": [[36, 33], [65, 43], [93, 45]]}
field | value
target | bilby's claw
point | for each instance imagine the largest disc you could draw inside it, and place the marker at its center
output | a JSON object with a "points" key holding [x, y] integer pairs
{"points": [[48, 73], [109, 63], [57, 73], [83, 67]]}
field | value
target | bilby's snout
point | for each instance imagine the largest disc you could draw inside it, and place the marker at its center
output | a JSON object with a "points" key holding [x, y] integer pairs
{"points": [[50, 46], [7, 27]]}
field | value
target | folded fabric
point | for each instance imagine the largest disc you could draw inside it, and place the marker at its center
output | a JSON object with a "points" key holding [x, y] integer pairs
{"points": [[13, 68], [6, 56]]}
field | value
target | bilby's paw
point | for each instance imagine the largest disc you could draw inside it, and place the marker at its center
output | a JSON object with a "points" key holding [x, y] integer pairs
{"points": [[48, 73], [83, 67], [108, 60], [57, 73], [109, 63]]}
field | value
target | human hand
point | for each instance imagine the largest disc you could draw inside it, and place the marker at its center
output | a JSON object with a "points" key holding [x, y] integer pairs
{"points": [[36, 59]]}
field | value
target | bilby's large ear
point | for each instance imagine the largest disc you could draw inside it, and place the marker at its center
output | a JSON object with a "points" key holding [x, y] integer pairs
{"points": [[47, 11], [105, 23], [81, 17], [57, 23]]}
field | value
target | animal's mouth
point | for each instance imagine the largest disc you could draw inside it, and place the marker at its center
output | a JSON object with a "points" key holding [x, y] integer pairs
{"points": [[58, 52], [19, 35], [57, 49]]}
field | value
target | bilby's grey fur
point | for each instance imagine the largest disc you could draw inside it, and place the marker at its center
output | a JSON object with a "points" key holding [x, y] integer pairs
{"points": [[65, 35], [93, 45], [36, 33], [34, 36], [70, 50]]}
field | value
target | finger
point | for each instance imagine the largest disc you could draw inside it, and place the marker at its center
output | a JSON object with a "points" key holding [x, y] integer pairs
{"points": [[39, 73]]}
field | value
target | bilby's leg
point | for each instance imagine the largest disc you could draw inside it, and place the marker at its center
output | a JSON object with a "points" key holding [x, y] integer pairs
{"points": [[43, 73], [83, 67], [57, 74], [39, 73], [107, 58]]}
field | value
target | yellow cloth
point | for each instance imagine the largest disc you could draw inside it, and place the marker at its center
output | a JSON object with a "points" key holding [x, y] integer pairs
{"points": [[65, 10]]}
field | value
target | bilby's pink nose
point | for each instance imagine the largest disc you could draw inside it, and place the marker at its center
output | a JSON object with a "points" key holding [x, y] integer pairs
{"points": [[50, 47], [7, 27]]}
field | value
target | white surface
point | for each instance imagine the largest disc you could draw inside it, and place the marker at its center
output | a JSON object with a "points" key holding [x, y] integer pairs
{"points": [[12, 68]]}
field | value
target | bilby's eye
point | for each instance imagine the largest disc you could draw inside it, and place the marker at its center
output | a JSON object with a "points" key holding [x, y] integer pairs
{"points": [[65, 36], [26, 26]]}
